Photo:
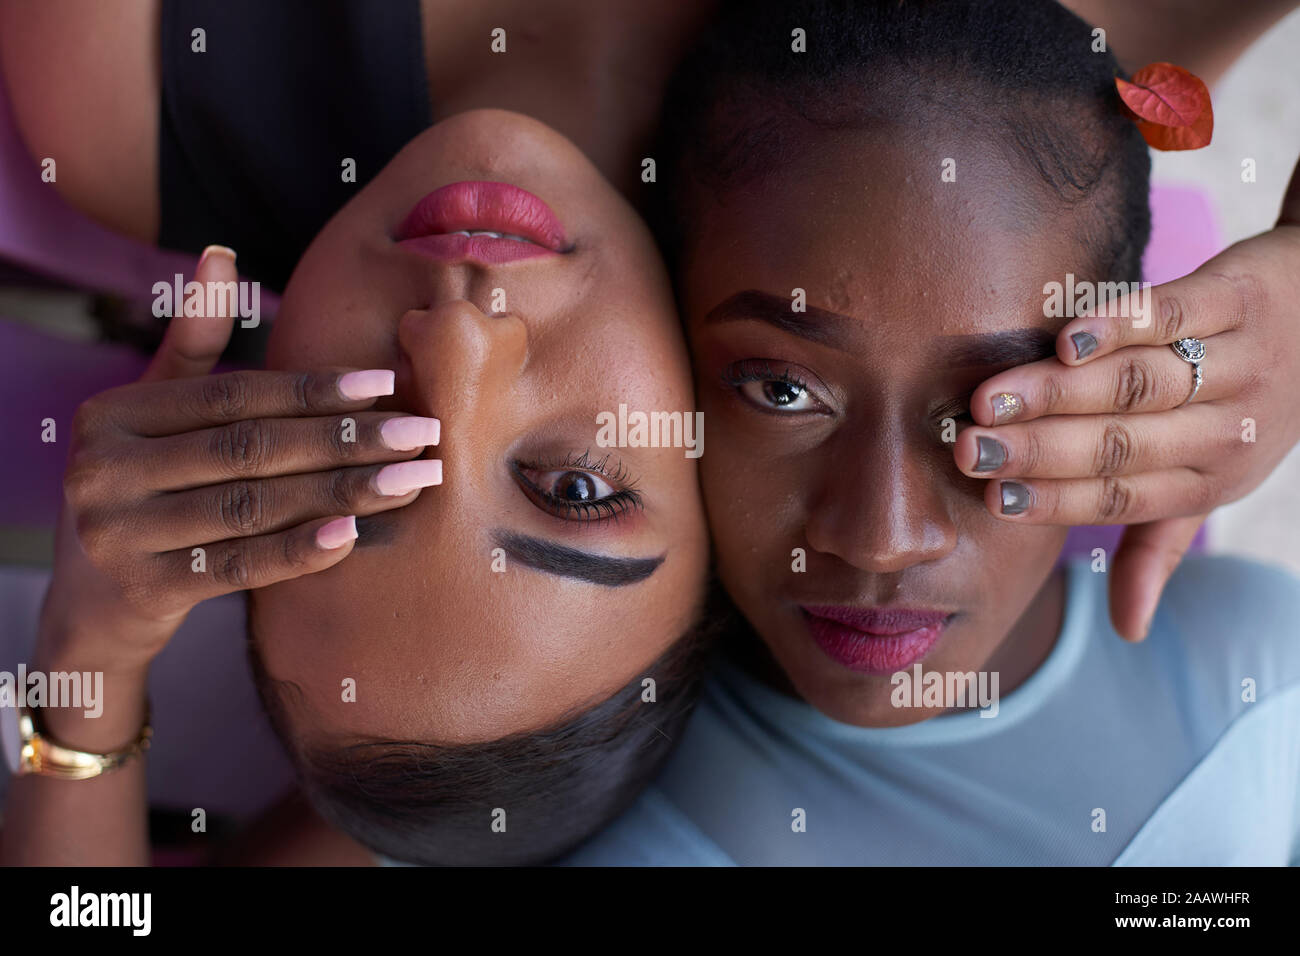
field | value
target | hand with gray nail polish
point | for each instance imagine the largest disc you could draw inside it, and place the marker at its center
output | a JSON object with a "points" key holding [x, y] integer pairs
{"points": [[1015, 498], [992, 454]]}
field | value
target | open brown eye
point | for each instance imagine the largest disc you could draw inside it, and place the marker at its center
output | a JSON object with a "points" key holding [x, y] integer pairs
{"points": [[575, 485], [574, 493], [786, 396], [773, 388]]}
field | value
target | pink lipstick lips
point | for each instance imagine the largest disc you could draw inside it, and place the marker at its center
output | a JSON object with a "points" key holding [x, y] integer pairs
{"points": [[484, 222], [874, 640]]}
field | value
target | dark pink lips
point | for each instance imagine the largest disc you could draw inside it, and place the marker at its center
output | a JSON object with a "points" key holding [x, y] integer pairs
{"points": [[874, 640], [435, 227]]}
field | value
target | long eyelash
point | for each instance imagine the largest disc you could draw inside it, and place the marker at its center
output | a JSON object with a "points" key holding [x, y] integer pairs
{"points": [[957, 408], [610, 508], [584, 462], [759, 370]]}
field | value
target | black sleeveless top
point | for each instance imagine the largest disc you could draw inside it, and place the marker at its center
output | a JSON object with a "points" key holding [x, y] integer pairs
{"points": [[253, 132]]}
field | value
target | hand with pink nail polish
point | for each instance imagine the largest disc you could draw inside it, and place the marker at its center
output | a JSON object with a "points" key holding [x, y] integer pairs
{"points": [[187, 485]]}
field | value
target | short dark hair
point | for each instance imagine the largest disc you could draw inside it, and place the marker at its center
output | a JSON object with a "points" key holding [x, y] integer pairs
{"points": [[432, 804], [1022, 72]]}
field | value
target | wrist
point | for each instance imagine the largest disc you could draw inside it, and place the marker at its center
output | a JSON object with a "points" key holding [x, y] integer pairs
{"points": [[110, 641], [103, 714], [111, 681]]}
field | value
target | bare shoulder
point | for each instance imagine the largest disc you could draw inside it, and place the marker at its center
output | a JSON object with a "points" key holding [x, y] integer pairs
{"points": [[83, 80]]}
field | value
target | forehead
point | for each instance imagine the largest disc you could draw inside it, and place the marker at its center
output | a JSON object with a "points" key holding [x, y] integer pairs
{"points": [[439, 647], [900, 228], [449, 638]]}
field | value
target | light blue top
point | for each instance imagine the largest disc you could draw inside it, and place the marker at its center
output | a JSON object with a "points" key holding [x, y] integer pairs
{"points": [[1162, 736]]}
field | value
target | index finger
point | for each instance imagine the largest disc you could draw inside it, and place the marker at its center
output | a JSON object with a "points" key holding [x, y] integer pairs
{"points": [[1205, 303], [174, 406]]}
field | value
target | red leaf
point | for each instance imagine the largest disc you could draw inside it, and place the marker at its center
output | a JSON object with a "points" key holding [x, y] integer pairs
{"points": [[1170, 105]]}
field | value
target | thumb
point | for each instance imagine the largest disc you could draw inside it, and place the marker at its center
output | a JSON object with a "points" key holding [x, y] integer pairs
{"points": [[1147, 556], [193, 343]]}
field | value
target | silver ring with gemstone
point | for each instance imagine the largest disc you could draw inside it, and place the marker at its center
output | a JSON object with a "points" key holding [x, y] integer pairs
{"points": [[1191, 351]]}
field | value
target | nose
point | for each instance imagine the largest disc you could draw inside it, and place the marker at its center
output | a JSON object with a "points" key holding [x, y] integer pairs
{"points": [[456, 362], [878, 507]]}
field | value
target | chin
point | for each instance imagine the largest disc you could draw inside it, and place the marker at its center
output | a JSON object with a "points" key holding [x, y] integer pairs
{"points": [[864, 702]]}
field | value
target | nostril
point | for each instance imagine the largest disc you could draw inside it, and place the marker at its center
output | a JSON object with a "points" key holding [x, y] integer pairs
{"points": [[453, 350]]}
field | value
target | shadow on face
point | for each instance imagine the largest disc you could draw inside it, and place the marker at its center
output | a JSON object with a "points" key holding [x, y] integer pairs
{"points": [[546, 572], [835, 506]]}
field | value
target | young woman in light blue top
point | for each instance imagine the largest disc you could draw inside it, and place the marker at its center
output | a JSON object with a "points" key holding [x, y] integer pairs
{"points": [[865, 232]]}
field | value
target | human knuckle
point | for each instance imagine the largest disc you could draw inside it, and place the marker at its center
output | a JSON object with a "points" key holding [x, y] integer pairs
{"points": [[97, 534], [1247, 295], [84, 477], [1133, 386], [1262, 375], [88, 421], [1031, 450], [1224, 447], [233, 568], [1051, 393], [1173, 317], [1116, 450], [301, 389], [338, 440], [226, 396], [1116, 499], [343, 490], [242, 446], [293, 555], [240, 507]]}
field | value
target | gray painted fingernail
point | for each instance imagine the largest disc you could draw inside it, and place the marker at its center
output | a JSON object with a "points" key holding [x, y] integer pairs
{"points": [[1015, 498], [992, 454], [1084, 344]]}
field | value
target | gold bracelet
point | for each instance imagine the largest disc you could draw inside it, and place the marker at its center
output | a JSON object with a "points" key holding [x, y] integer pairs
{"points": [[41, 754]]}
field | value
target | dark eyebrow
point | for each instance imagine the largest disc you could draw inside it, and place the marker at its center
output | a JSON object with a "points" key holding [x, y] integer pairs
{"points": [[536, 553], [1012, 347], [541, 555], [815, 325]]}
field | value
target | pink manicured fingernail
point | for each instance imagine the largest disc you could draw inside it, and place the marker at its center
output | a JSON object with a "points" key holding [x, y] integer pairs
{"points": [[405, 476], [215, 251], [371, 383], [337, 533], [409, 433]]}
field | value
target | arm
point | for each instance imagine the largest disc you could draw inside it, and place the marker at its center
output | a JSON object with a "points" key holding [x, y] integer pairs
{"points": [[147, 482], [96, 822], [82, 78], [1204, 36]]}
